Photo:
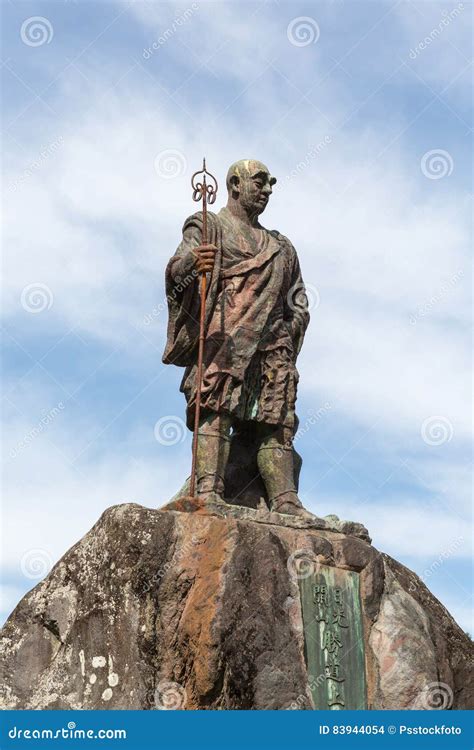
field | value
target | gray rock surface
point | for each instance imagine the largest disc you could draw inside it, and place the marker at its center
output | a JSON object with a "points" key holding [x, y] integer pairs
{"points": [[168, 609]]}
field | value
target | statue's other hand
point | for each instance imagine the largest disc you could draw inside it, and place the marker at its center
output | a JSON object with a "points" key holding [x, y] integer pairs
{"points": [[205, 257]]}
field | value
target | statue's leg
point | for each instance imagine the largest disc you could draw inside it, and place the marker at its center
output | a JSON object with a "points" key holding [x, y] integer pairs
{"points": [[275, 459], [212, 455]]}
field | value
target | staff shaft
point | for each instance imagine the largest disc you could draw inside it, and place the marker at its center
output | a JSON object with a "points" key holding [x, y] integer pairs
{"points": [[202, 313]]}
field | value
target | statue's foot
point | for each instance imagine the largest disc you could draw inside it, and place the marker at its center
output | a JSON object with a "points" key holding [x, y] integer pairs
{"points": [[212, 497], [290, 504]]}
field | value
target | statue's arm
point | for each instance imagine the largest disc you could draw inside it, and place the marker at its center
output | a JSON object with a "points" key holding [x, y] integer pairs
{"points": [[183, 262], [192, 257], [296, 306]]}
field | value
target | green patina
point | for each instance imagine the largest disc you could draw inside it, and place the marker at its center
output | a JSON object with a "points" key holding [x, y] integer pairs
{"points": [[334, 638]]}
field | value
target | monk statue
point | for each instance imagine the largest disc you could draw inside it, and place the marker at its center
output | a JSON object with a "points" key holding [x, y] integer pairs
{"points": [[256, 315]]}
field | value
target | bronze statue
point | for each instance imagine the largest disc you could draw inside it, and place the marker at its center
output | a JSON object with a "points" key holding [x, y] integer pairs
{"points": [[255, 316]]}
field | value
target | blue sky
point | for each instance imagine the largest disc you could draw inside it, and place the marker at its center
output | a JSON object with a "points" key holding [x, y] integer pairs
{"points": [[362, 111]]}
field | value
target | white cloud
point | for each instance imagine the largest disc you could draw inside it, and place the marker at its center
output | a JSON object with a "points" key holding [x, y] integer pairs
{"points": [[51, 500], [437, 38], [397, 530]]}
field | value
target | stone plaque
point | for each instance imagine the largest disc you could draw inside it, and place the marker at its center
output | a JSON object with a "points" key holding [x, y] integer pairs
{"points": [[334, 639]]}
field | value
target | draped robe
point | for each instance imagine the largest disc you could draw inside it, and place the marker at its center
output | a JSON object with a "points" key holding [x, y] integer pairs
{"points": [[255, 321]]}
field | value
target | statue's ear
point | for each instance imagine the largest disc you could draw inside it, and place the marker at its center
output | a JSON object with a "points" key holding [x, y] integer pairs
{"points": [[235, 184]]}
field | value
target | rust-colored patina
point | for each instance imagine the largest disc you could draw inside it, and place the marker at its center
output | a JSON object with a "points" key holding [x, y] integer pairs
{"points": [[237, 318]]}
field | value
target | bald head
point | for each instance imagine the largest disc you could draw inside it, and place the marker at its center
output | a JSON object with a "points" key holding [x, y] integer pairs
{"points": [[245, 168], [249, 184]]}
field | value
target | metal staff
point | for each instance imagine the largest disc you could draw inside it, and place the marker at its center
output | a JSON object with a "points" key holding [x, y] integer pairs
{"points": [[206, 193]]}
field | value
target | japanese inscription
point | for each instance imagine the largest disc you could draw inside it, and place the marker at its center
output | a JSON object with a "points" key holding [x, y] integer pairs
{"points": [[334, 641]]}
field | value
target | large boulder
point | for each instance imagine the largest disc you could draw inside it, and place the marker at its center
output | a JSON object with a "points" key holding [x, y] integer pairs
{"points": [[202, 610]]}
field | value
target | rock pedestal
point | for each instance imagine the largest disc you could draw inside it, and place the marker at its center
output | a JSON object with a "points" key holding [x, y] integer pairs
{"points": [[207, 609]]}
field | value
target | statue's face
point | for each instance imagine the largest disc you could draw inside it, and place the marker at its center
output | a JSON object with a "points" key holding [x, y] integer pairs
{"points": [[253, 186]]}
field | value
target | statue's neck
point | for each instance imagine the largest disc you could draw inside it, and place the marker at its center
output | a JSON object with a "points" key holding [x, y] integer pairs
{"points": [[240, 213]]}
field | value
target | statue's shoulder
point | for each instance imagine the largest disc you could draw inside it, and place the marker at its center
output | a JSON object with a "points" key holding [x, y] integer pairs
{"points": [[195, 220], [283, 239], [278, 235]]}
